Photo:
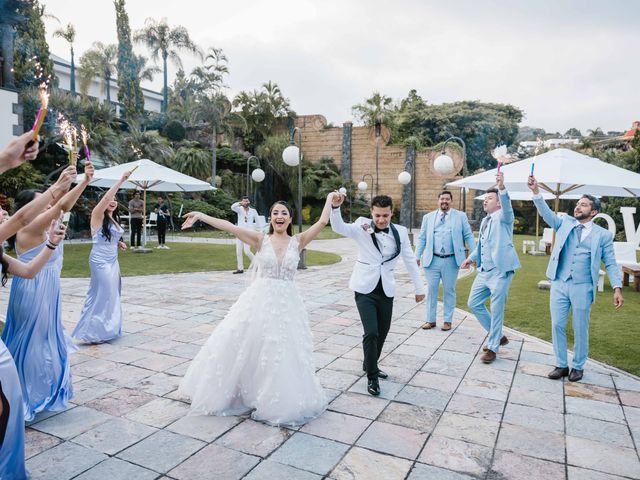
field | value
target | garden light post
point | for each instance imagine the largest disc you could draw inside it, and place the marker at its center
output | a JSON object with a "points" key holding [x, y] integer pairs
{"points": [[363, 186], [405, 178], [292, 156], [443, 164], [257, 175]]}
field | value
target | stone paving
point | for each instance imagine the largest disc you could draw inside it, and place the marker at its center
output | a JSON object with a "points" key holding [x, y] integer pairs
{"points": [[442, 414]]}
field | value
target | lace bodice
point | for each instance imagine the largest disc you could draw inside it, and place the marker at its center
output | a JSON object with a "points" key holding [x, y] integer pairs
{"points": [[267, 265]]}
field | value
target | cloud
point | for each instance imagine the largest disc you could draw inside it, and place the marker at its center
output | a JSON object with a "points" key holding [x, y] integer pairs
{"points": [[565, 63]]}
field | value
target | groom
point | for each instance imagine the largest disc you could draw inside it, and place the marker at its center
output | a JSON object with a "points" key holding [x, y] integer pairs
{"points": [[380, 243]]}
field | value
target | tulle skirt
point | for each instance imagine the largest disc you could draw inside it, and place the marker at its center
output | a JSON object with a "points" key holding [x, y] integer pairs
{"points": [[259, 360]]}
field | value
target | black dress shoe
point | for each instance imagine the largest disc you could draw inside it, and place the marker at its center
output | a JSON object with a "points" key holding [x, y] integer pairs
{"points": [[373, 387], [382, 374], [558, 373], [238, 271], [575, 375]]}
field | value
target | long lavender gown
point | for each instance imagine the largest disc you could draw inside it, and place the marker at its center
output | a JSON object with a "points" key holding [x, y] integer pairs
{"points": [[12, 444], [101, 317], [36, 339]]}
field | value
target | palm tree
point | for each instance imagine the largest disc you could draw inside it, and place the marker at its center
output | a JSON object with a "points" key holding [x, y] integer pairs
{"points": [[165, 42], [216, 112], [192, 160], [375, 112], [151, 144], [69, 34], [100, 61], [144, 71]]}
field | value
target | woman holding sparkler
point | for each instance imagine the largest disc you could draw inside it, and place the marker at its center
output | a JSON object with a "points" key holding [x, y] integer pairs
{"points": [[34, 333], [101, 317], [12, 464]]}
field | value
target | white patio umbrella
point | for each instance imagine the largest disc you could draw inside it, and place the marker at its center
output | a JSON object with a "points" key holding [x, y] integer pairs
{"points": [[148, 175], [559, 172]]}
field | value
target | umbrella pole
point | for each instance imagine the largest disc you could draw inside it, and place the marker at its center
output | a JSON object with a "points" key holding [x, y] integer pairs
{"points": [[556, 208], [144, 219]]}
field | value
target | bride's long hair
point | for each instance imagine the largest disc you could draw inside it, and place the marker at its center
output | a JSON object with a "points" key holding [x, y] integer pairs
{"points": [[289, 227]]}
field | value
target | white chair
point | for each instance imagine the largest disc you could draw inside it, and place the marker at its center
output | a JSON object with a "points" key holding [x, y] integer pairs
{"points": [[547, 239], [153, 220]]}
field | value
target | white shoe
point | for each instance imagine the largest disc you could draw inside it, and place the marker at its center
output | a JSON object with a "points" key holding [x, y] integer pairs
{"points": [[166, 247], [159, 247]]}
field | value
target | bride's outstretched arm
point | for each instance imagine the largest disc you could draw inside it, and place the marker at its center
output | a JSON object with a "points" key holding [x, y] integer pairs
{"points": [[249, 237], [313, 231]]}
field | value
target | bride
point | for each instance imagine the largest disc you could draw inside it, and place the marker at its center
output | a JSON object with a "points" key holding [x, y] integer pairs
{"points": [[259, 358]]}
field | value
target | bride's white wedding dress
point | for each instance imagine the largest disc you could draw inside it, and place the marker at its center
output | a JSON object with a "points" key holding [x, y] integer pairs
{"points": [[259, 357]]}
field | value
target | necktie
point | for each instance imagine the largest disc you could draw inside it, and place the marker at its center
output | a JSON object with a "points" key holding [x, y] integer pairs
{"points": [[378, 230], [580, 229], [442, 219], [485, 226]]}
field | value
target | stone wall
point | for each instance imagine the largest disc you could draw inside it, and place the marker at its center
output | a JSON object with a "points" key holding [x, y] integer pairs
{"points": [[359, 150]]}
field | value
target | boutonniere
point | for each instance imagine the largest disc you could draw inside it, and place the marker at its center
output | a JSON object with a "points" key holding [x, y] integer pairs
{"points": [[368, 228]]}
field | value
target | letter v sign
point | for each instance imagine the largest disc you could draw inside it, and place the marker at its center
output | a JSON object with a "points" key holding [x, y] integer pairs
{"points": [[632, 234]]}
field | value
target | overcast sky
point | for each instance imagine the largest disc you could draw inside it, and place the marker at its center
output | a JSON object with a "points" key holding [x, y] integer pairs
{"points": [[566, 63]]}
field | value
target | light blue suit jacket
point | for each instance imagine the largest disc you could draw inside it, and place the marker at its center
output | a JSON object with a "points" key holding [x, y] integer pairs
{"points": [[500, 237], [461, 234], [602, 241]]}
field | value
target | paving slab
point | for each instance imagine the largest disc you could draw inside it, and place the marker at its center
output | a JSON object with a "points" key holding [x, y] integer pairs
{"points": [[442, 413]]}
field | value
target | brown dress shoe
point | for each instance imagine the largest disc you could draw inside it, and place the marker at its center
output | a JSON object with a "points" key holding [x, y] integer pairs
{"points": [[446, 326], [503, 341], [488, 357], [428, 326]]}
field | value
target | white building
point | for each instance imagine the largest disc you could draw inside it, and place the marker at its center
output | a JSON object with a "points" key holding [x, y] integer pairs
{"points": [[550, 143], [62, 69]]}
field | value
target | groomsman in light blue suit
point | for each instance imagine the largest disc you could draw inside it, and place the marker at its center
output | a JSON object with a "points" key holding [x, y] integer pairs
{"points": [[440, 250], [497, 260], [574, 267]]}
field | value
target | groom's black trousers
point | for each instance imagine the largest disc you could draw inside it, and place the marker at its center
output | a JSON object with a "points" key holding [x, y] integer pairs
{"points": [[375, 310]]}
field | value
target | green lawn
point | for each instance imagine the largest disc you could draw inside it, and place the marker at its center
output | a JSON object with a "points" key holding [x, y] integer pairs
{"points": [[183, 257], [325, 234], [614, 336]]}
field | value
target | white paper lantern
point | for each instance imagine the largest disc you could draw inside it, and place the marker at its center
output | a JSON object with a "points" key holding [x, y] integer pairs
{"points": [[291, 155], [343, 190], [404, 178], [257, 175], [443, 164], [362, 186]]}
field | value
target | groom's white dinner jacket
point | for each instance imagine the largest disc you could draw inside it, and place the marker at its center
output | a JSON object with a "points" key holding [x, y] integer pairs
{"points": [[370, 266]]}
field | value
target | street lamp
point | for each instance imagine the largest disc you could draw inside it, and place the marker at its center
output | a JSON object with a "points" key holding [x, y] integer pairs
{"points": [[363, 186], [443, 164], [292, 156], [257, 175], [405, 178], [377, 131]]}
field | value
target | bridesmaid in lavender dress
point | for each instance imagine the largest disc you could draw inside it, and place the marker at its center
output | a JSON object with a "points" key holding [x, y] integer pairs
{"points": [[12, 464], [101, 317], [34, 334], [11, 404]]}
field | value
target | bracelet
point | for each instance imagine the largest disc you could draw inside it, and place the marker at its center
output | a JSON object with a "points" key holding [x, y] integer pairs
{"points": [[336, 207], [50, 245]]}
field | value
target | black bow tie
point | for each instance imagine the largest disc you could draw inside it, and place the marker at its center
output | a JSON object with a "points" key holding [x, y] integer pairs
{"points": [[378, 230]]}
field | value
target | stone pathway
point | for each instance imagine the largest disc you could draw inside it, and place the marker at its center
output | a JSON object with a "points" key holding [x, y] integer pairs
{"points": [[442, 413]]}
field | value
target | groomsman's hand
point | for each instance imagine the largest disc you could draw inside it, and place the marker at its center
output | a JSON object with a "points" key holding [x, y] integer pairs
{"points": [[532, 183], [500, 181], [466, 264], [617, 298], [419, 298]]}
